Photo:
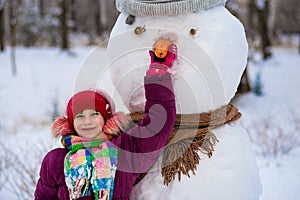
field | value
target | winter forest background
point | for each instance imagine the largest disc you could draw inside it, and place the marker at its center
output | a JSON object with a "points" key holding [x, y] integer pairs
{"points": [[43, 43]]}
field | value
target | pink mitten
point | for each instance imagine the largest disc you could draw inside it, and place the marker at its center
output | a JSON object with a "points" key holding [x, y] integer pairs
{"points": [[157, 68], [171, 56]]}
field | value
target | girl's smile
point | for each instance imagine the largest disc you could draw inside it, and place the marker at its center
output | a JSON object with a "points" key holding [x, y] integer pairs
{"points": [[88, 123]]}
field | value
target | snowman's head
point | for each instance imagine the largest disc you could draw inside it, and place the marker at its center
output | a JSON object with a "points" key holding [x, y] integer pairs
{"points": [[212, 54]]}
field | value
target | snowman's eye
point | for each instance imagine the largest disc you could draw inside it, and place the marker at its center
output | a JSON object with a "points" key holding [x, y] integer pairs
{"points": [[193, 31], [130, 20], [139, 30]]}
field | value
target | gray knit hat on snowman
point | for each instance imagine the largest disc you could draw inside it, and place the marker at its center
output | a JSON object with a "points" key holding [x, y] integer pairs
{"points": [[164, 7]]}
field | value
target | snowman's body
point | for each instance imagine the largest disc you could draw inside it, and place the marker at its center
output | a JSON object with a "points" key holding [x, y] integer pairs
{"points": [[230, 174], [206, 75]]}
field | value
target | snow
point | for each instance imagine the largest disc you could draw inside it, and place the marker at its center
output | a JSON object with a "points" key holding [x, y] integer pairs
{"points": [[45, 75], [277, 108]]}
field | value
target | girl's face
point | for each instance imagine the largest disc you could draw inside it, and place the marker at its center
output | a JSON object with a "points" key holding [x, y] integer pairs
{"points": [[88, 123]]}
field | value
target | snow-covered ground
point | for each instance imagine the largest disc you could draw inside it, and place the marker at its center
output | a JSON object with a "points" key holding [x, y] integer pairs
{"points": [[48, 76], [273, 122]]}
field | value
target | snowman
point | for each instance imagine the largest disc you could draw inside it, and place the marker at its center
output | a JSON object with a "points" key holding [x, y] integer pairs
{"points": [[212, 54]]}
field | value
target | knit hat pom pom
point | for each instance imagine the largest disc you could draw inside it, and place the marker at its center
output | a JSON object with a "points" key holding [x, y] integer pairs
{"points": [[119, 122], [61, 127]]}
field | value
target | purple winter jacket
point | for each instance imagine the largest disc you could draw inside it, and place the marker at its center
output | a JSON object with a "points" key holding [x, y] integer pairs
{"points": [[139, 148]]}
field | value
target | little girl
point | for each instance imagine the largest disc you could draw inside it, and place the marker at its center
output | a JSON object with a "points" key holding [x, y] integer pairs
{"points": [[101, 159]]}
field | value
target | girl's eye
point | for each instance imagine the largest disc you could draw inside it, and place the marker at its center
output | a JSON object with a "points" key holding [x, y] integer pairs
{"points": [[95, 113], [79, 116]]}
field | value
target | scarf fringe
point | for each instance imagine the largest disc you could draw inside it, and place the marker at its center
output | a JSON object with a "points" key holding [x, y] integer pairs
{"points": [[191, 134], [187, 156]]}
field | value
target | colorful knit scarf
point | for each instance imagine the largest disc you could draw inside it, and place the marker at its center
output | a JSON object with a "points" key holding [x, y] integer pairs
{"points": [[90, 166]]}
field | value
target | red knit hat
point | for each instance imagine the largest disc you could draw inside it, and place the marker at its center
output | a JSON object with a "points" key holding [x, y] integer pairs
{"points": [[88, 100], [96, 100]]}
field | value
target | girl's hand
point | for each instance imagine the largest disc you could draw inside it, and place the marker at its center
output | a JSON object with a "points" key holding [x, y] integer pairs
{"points": [[171, 56], [157, 68]]}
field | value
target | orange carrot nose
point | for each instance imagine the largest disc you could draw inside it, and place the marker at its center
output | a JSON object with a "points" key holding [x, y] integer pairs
{"points": [[161, 47]]}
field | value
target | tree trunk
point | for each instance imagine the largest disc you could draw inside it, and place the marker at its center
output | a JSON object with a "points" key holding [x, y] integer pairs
{"points": [[299, 43], [251, 13], [63, 25], [12, 29], [2, 27], [97, 18], [73, 15], [244, 85], [2, 32], [41, 8], [90, 21], [263, 16]]}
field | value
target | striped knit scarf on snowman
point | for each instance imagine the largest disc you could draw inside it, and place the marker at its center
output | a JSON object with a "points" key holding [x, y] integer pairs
{"points": [[90, 166]]}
